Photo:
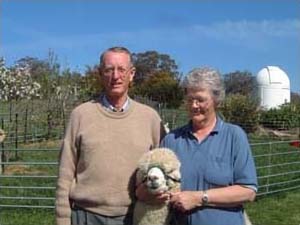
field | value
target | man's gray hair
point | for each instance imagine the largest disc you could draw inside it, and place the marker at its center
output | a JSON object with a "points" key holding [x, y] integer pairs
{"points": [[116, 49], [206, 78]]}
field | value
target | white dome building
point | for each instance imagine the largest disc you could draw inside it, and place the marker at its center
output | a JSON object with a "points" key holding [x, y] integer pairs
{"points": [[273, 87]]}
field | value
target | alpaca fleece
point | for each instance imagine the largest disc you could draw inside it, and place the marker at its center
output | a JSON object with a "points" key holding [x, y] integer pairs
{"points": [[146, 213]]}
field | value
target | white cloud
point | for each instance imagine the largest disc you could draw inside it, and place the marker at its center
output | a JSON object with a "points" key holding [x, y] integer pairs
{"points": [[244, 33], [245, 29]]}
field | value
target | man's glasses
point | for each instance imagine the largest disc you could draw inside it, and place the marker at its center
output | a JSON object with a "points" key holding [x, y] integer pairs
{"points": [[120, 70]]}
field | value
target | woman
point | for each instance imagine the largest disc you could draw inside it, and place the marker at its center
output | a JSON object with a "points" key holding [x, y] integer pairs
{"points": [[217, 168]]}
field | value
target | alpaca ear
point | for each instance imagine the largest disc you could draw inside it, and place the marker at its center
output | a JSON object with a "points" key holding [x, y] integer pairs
{"points": [[175, 175]]}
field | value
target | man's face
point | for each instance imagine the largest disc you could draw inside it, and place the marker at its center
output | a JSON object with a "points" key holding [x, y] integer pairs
{"points": [[117, 73]]}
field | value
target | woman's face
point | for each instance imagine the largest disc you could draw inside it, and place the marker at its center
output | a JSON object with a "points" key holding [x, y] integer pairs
{"points": [[200, 105]]}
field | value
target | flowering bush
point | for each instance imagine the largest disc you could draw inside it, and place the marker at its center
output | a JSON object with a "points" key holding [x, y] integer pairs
{"points": [[17, 83]]}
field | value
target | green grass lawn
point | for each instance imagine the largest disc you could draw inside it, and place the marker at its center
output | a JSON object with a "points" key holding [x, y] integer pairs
{"points": [[27, 217], [277, 209]]}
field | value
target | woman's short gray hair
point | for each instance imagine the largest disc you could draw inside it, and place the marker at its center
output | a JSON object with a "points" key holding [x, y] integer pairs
{"points": [[206, 78]]}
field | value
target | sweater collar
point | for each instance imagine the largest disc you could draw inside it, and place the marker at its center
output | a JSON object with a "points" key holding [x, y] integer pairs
{"points": [[104, 101]]}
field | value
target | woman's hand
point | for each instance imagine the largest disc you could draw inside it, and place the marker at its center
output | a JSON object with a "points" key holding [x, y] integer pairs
{"points": [[231, 196], [186, 200], [142, 194]]}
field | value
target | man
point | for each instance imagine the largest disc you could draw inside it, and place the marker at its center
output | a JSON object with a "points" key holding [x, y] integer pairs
{"points": [[104, 140]]}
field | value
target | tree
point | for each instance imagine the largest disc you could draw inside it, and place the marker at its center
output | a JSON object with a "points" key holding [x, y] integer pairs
{"points": [[157, 78], [151, 62], [45, 72], [295, 98], [238, 82], [90, 83], [162, 87], [37, 67], [16, 83]]}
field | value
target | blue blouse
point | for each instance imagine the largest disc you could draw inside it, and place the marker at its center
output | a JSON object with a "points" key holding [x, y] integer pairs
{"points": [[222, 159]]}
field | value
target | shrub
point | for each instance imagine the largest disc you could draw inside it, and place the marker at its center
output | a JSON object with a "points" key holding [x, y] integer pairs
{"points": [[241, 110], [285, 117]]}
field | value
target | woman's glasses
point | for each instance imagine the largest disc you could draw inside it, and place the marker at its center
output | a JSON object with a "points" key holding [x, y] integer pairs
{"points": [[198, 101]]}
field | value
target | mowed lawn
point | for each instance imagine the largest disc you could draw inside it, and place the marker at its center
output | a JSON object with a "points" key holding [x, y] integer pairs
{"points": [[276, 209]]}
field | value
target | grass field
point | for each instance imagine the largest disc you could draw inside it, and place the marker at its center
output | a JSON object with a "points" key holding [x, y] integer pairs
{"points": [[27, 217], [274, 209], [46, 186], [277, 209]]}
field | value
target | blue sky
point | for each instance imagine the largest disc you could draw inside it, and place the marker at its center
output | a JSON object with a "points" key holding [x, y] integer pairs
{"points": [[227, 35]]}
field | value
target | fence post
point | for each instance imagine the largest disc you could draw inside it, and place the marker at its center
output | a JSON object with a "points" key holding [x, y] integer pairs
{"points": [[10, 110], [299, 126], [2, 157], [25, 125], [64, 121], [49, 121], [16, 135], [269, 164]]}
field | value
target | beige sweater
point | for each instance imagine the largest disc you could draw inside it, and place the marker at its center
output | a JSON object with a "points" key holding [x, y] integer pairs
{"points": [[99, 156]]}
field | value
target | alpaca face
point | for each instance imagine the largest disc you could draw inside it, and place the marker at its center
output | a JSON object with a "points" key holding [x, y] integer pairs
{"points": [[156, 181]]}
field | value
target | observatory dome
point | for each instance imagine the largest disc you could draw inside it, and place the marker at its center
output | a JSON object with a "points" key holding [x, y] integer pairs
{"points": [[273, 87]]}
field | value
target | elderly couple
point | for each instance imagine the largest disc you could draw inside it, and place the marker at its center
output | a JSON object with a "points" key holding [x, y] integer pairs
{"points": [[106, 137]]}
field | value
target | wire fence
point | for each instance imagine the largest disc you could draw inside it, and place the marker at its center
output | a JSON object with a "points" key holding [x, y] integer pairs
{"points": [[30, 182], [29, 157]]}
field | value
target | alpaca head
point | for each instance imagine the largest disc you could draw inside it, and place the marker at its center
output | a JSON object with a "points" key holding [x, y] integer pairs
{"points": [[159, 170], [156, 181]]}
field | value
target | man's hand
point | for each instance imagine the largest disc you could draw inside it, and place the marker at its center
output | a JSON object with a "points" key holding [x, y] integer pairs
{"points": [[142, 194]]}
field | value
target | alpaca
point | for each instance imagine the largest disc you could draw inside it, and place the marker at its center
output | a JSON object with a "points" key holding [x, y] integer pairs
{"points": [[159, 170]]}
